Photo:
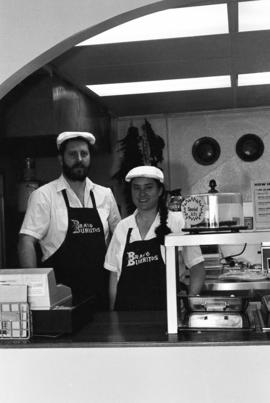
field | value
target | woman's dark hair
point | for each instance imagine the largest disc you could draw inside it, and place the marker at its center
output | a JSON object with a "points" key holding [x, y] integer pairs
{"points": [[163, 228]]}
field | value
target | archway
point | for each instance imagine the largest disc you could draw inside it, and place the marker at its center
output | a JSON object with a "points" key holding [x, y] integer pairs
{"points": [[20, 58]]}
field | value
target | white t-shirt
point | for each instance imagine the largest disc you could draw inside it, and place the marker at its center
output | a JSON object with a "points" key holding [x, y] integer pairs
{"points": [[46, 218], [113, 261]]}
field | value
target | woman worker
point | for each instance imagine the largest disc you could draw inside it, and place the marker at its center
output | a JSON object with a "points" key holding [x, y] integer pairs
{"points": [[136, 252]]}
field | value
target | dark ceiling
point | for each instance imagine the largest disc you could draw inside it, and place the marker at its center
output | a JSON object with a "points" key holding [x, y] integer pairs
{"points": [[232, 54]]}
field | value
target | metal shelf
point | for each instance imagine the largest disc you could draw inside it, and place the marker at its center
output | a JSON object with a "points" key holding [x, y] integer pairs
{"points": [[228, 238]]}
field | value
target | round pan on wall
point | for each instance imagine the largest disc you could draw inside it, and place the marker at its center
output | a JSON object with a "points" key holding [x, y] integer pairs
{"points": [[206, 150], [249, 147]]}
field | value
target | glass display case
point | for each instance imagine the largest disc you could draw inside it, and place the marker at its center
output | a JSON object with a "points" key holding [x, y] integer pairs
{"points": [[213, 210]]}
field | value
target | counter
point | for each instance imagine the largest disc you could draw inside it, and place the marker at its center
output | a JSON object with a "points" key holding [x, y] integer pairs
{"points": [[129, 358], [139, 329], [132, 357]]}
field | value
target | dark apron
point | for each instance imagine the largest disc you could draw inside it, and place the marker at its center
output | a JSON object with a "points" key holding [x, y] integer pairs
{"points": [[142, 284], [78, 263]]}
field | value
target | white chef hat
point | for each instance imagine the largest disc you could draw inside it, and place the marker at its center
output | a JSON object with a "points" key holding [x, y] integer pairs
{"points": [[145, 171], [64, 136]]}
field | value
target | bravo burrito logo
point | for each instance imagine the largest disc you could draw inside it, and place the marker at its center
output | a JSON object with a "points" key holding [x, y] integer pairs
{"points": [[135, 259], [86, 228]]}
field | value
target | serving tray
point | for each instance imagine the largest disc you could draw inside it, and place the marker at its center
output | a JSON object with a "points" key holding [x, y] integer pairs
{"points": [[215, 303], [198, 230]]}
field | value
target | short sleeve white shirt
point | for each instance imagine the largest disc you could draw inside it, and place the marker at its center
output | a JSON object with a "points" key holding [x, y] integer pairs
{"points": [[46, 218], [113, 261]]}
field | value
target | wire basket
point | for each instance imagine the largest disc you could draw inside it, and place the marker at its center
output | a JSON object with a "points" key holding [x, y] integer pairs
{"points": [[15, 321]]}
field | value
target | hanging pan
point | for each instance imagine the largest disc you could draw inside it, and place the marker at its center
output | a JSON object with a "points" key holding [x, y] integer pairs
{"points": [[249, 147], [206, 150]]}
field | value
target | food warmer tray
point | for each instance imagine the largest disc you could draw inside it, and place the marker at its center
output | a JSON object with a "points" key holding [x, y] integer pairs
{"points": [[214, 313]]}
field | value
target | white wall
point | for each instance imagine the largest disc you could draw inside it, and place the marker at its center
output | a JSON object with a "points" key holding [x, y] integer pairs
{"points": [[180, 131], [232, 374]]}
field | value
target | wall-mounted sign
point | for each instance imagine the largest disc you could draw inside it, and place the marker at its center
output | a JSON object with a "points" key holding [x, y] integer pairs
{"points": [[261, 203], [193, 209]]}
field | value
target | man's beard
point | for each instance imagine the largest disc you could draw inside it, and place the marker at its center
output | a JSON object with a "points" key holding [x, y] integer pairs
{"points": [[73, 174]]}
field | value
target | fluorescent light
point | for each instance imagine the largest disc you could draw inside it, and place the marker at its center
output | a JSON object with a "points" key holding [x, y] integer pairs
{"points": [[171, 23], [144, 87], [254, 79], [254, 15]]}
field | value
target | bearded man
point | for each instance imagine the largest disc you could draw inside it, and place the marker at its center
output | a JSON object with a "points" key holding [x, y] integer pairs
{"points": [[72, 219]]}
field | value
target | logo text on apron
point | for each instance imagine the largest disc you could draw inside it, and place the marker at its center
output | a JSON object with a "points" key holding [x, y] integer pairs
{"points": [[135, 259], [83, 228]]}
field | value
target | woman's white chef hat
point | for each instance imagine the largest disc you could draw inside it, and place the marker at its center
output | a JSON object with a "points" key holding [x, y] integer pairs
{"points": [[64, 136], [145, 171]]}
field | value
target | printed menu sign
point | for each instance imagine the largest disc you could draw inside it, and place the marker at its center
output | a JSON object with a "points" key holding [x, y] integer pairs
{"points": [[261, 202]]}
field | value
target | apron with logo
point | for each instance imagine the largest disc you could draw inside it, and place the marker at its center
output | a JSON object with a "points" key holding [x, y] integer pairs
{"points": [[78, 263], [142, 284]]}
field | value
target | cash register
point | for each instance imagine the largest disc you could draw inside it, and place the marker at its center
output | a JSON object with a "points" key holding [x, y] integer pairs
{"points": [[51, 304], [43, 292]]}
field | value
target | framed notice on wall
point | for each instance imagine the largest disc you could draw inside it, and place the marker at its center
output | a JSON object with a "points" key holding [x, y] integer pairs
{"points": [[261, 203]]}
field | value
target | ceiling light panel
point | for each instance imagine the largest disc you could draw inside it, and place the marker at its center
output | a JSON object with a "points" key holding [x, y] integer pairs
{"points": [[171, 23], [144, 87], [254, 79], [254, 15]]}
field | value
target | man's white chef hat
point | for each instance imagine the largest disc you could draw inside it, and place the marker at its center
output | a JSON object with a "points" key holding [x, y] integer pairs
{"points": [[145, 171], [64, 136]]}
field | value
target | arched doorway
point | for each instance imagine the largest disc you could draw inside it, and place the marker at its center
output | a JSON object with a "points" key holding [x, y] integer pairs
{"points": [[45, 31]]}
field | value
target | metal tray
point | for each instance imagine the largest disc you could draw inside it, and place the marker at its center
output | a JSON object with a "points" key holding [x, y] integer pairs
{"points": [[215, 320], [215, 304], [225, 228]]}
